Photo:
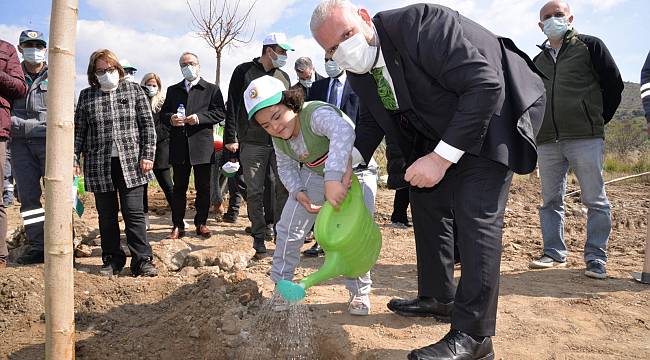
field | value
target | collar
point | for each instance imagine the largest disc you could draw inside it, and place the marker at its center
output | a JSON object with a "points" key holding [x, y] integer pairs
{"points": [[342, 77], [193, 83], [381, 62], [569, 34]]}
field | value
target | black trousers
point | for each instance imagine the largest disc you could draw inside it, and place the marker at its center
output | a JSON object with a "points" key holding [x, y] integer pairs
{"points": [[164, 178], [400, 206], [202, 186], [130, 202], [468, 205]]}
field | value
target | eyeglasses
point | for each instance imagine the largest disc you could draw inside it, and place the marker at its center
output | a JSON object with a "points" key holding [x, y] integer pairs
{"points": [[100, 72]]}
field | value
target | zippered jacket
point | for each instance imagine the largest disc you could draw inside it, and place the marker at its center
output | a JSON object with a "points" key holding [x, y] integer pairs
{"points": [[583, 89], [645, 87]]}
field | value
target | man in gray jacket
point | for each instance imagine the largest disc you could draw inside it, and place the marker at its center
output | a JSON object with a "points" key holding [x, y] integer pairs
{"points": [[28, 128]]}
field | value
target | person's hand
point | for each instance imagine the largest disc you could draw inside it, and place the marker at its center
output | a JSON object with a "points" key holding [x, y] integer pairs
{"points": [[427, 171], [76, 170], [305, 201], [146, 165], [232, 147], [192, 119], [335, 192], [177, 120]]}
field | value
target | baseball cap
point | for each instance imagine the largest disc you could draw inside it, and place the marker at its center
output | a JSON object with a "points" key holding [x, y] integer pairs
{"points": [[277, 39], [262, 92], [32, 35], [127, 65]]}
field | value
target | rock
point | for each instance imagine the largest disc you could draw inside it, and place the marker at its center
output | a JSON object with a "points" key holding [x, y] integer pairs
{"points": [[171, 253], [226, 261], [194, 332], [188, 271], [230, 328], [209, 270], [83, 251]]}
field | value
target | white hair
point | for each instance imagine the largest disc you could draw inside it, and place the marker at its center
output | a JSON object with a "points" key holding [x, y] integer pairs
{"points": [[188, 53], [323, 10]]}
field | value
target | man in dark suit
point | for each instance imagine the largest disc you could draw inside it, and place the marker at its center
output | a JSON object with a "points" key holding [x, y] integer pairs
{"points": [[434, 82], [306, 74], [191, 141]]}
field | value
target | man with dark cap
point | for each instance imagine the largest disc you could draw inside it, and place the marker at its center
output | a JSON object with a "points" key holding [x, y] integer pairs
{"points": [[28, 129], [12, 86]]}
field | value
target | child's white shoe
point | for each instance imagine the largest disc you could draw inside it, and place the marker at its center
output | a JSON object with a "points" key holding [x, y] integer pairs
{"points": [[359, 305]]}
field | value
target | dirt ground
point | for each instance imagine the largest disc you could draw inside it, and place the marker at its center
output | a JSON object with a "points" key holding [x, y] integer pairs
{"points": [[216, 307]]}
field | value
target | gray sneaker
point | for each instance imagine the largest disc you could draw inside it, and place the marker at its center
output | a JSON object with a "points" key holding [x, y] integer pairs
{"points": [[545, 262], [596, 269]]}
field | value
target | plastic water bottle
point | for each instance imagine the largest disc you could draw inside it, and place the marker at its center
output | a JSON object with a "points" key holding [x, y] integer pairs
{"points": [[180, 112]]}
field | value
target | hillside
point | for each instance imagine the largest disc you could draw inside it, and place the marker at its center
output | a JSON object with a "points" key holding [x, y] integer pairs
{"points": [[631, 106]]}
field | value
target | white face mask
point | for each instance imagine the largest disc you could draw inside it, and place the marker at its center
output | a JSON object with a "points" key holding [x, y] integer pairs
{"points": [[151, 90], [556, 27], [34, 56], [109, 81], [355, 54], [129, 77], [190, 73], [306, 83], [279, 61], [332, 68]]}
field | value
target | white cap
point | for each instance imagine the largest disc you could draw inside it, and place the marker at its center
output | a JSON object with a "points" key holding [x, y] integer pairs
{"points": [[277, 39], [262, 92]]}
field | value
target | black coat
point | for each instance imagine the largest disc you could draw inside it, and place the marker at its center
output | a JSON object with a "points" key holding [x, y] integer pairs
{"points": [[465, 85], [349, 100], [195, 142]]}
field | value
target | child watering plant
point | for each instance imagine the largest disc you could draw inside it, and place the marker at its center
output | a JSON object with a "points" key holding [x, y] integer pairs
{"points": [[314, 148]]}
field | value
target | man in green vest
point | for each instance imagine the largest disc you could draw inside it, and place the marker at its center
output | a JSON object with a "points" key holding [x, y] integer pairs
{"points": [[583, 90]]}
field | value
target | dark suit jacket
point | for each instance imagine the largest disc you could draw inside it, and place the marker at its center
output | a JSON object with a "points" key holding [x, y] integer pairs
{"points": [[349, 100], [306, 91], [464, 85], [193, 141]]}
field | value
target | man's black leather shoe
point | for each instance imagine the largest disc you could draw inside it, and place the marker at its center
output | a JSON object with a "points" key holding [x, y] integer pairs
{"points": [[422, 307], [31, 256], [314, 251], [456, 345]]}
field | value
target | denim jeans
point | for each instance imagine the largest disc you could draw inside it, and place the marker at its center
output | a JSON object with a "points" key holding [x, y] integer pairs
{"points": [[585, 157]]}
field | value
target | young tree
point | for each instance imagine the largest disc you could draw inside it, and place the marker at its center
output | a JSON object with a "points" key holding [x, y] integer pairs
{"points": [[59, 279], [222, 24]]}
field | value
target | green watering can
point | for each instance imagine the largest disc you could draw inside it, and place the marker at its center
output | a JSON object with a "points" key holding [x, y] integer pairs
{"points": [[351, 241]]}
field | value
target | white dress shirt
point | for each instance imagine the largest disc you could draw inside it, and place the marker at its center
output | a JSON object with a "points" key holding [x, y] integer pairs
{"points": [[443, 149], [339, 95]]}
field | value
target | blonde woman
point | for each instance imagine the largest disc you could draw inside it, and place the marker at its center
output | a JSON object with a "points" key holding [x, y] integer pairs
{"points": [[152, 87], [115, 135]]}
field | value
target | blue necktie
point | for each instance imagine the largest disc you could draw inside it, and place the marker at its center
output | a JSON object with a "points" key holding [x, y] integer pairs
{"points": [[334, 92]]}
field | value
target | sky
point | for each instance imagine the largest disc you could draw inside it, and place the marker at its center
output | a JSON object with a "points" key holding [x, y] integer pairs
{"points": [[152, 34]]}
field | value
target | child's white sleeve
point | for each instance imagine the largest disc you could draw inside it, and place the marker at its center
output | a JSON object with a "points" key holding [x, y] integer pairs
{"points": [[325, 121], [289, 172]]}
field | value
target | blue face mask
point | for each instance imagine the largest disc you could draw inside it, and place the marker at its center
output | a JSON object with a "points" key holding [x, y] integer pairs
{"points": [[556, 27]]}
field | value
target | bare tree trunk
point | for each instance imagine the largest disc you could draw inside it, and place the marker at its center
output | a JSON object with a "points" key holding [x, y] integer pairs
{"points": [[59, 279], [218, 68]]}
